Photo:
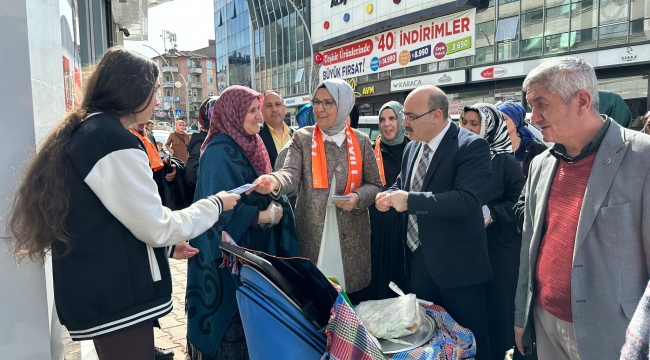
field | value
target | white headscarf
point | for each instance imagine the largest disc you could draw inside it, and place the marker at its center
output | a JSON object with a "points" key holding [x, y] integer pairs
{"points": [[493, 128], [343, 95]]}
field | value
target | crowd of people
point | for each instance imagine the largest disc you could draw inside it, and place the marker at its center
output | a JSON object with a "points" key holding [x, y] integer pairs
{"points": [[541, 249]]}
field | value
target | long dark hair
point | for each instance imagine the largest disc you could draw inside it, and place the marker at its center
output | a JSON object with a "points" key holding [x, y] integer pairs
{"points": [[121, 83]]}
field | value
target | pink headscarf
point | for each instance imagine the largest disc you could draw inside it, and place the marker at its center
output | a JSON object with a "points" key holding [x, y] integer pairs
{"points": [[228, 118]]}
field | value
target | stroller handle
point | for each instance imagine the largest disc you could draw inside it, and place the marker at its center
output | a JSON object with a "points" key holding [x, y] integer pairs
{"points": [[259, 263]]}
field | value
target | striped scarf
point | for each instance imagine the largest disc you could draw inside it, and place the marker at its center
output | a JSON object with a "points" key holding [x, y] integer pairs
{"points": [[493, 128]]}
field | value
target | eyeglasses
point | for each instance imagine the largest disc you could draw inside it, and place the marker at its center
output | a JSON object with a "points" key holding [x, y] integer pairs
{"points": [[411, 118], [327, 104]]}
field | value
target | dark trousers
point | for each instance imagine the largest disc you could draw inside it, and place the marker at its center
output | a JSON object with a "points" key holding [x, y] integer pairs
{"points": [[465, 304], [134, 343]]}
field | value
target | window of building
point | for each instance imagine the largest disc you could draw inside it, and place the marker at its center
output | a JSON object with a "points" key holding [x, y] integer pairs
{"points": [[208, 64], [557, 20], [557, 43], [210, 92], [613, 34], [195, 93], [613, 11], [637, 32], [584, 39], [484, 55], [531, 47], [508, 9], [584, 15], [168, 92], [508, 50], [527, 5], [167, 78], [507, 29], [209, 79]]}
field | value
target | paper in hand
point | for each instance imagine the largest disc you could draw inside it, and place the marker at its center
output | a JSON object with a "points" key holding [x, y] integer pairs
{"points": [[242, 189], [342, 197]]}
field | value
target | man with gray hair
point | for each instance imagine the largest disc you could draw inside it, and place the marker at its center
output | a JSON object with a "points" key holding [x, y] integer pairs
{"points": [[585, 254]]}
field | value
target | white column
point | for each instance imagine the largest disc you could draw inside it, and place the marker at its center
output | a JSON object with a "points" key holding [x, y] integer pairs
{"points": [[32, 100]]}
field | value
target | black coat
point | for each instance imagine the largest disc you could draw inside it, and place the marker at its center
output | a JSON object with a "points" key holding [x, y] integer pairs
{"points": [[267, 138], [450, 220], [194, 150], [533, 149]]}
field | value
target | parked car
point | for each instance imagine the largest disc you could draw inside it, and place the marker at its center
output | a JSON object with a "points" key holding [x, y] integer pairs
{"points": [[161, 136]]}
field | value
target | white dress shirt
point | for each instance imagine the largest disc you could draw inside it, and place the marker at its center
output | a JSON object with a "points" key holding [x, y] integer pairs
{"points": [[433, 144]]}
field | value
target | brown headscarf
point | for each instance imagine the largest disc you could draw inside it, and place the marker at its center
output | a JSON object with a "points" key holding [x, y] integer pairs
{"points": [[228, 118]]}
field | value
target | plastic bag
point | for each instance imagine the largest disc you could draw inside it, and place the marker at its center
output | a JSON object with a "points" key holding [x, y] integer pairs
{"points": [[391, 318], [275, 212]]}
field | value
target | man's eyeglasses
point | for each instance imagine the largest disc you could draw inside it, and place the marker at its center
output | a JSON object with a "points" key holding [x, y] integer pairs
{"points": [[327, 104], [411, 118]]}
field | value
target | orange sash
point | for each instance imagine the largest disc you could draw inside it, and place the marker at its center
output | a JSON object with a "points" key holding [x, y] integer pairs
{"points": [[319, 161], [380, 159], [154, 159]]}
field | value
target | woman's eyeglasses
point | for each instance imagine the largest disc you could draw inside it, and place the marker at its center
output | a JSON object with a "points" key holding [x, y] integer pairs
{"points": [[327, 104]]}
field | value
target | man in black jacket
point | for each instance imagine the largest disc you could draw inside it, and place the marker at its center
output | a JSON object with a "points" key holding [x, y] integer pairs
{"points": [[440, 189], [274, 133]]}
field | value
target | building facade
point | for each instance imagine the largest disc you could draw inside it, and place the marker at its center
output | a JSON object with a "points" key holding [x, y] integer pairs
{"points": [[373, 48], [265, 45], [195, 73]]}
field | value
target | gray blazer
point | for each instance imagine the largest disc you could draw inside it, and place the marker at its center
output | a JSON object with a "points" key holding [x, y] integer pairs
{"points": [[611, 260]]}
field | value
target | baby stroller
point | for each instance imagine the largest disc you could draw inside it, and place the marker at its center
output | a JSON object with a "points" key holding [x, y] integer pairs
{"points": [[284, 304]]}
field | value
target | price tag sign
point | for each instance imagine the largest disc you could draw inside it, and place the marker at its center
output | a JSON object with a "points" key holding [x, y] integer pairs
{"points": [[420, 53], [459, 45]]}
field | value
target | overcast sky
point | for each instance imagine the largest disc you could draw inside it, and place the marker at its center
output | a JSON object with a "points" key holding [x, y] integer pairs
{"points": [[191, 20]]}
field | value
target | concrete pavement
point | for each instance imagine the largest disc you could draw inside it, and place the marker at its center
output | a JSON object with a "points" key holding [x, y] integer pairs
{"points": [[173, 326]]}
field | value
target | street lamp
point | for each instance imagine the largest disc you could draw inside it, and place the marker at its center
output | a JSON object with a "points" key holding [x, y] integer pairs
{"points": [[173, 81], [311, 47], [187, 99]]}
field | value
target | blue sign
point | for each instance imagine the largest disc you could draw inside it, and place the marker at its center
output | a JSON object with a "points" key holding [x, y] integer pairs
{"points": [[179, 112], [374, 64], [420, 53]]}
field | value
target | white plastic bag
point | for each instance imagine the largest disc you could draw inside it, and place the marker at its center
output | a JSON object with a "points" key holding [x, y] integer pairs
{"points": [[391, 318]]}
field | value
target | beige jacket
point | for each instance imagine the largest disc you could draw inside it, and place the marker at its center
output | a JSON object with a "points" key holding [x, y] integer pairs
{"points": [[354, 226]]}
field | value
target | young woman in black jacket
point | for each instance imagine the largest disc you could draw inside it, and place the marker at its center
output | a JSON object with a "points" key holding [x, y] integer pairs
{"points": [[503, 241], [88, 197]]}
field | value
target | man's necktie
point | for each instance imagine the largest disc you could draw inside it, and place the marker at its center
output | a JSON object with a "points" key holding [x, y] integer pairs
{"points": [[412, 239]]}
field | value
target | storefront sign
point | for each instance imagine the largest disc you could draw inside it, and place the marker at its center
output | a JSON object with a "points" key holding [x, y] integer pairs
{"points": [[438, 79], [297, 101], [455, 107], [379, 87], [611, 57], [443, 38]]}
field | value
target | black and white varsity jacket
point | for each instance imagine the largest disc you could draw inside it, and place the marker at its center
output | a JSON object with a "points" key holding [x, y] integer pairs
{"points": [[117, 274]]}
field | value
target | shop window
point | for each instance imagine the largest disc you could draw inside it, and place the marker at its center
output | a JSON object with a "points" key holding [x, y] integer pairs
{"points": [[613, 11], [507, 29], [508, 50], [612, 35], [445, 65], [484, 55], [637, 32], [557, 43], [584, 39]]}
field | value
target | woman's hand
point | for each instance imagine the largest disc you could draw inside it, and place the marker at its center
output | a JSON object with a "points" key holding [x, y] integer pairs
{"points": [[171, 175], [380, 204], [266, 184], [184, 250], [347, 205], [229, 200], [272, 215]]}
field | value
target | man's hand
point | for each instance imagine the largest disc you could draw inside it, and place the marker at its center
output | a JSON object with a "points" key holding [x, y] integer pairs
{"points": [[266, 184], [519, 332], [170, 177], [184, 250], [397, 200], [380, 203], [347, 205], [487, 221]]}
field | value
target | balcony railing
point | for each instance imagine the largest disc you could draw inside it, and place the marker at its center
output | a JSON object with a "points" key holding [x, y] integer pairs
{"points": [[168, 84], [195, 85], [195, 70], [170, 68]]}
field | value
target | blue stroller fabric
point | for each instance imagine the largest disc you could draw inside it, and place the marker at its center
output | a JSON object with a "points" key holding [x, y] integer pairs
{"points": [[274, 325]]}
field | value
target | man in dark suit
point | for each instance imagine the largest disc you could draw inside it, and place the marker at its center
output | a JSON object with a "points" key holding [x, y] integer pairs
{"points": [[440, 187], [274, 133]]}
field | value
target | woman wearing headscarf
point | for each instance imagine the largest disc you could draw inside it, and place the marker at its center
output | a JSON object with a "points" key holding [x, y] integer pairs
{"points": [[329, 159], [504, 242], [232, 155], [524, 143], [387, 228], [613, 105]]}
